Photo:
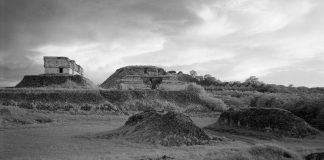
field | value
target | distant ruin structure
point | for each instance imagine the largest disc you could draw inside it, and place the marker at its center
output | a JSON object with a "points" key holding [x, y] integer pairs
{"points": [[61, 65], [143, 77]]}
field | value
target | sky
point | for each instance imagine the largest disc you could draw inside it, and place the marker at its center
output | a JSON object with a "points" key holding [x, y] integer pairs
{"points": [[278, 41]]}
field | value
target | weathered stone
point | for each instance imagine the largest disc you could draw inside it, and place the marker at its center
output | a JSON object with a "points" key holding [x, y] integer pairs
{"points": [[141, 78], [61, 65]]}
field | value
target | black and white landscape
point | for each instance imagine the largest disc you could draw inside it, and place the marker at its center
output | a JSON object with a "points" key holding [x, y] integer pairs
{"points": [[161, 80]]}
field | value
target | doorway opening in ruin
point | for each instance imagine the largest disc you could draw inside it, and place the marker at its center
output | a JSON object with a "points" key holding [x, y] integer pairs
{"points": [[61, 70]]}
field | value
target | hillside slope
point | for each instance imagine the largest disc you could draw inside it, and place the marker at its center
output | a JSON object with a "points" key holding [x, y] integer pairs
{"points": [[56, 81]]}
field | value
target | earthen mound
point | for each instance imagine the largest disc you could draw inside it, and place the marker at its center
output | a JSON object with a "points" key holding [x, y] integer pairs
{"points": [[315, 156], [112, 81], [169, 129], [56, 81], [278, 121]]}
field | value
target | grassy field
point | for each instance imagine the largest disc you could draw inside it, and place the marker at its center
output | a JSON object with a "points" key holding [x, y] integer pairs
{"points": [[66, 137], [59, 124]]}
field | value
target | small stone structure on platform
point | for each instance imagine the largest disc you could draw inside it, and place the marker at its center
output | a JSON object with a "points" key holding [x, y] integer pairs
{"points": [[60, 72], [61, 65]]}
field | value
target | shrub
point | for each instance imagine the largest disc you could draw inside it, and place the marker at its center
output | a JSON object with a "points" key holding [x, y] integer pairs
{"points": [[68, 107], [26, 105], [44, 106], [195, 88], [87, 107], [212, 103], [107, 107], [22, 116], [10, 103]]}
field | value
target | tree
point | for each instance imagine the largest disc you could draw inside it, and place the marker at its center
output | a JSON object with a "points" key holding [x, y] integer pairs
{"points": [[207, 76], [172, 72], [253, 80], [193, 73], [210, 79]]}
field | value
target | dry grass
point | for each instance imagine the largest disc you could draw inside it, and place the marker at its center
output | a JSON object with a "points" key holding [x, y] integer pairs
{"points": [[214, 104], [257, 152], [13, 116], [76, 99]]}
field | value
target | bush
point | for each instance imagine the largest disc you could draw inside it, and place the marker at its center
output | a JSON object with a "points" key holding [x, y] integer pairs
{"points": [[44, 106], [107, 107], [15, 115], [87, 107], [68, 107], [10, 103], [195, 88], [213, 104], [26, 105]]}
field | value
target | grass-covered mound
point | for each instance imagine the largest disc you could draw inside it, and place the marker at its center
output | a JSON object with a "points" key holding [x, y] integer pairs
{"points": [[139, 100], [56, 81], [130, 100], [112, 81], [278, 121], [315, 156], [168, 129]]}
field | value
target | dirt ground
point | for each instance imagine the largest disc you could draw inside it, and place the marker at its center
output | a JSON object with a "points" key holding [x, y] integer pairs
{"points": [[66, 140]]}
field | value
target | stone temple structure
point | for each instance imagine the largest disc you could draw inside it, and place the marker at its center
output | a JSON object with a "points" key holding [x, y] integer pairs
{"points": [[143, 78], [61, 65], [60, 72]]}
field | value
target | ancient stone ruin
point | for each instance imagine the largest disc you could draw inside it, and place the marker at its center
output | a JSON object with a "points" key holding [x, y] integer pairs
{"points": [[61, 65], [60, 72], [142, 78]]}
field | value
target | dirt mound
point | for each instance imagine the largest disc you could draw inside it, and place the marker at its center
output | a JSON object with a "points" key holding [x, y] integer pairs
{"points": [[315, 156], [169, 129], [56, 81], [111, 82], [273, 120]]}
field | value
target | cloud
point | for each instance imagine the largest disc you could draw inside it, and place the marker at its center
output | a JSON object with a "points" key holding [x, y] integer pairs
{"points": [[231, 39]]}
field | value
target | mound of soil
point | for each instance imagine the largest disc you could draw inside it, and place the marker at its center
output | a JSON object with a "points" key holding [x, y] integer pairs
{"points": [[169, 129], [111, 82], [274, 120], [56, 81], [315, 156]]}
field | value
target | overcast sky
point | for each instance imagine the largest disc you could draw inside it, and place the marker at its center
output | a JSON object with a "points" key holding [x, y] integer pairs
{"points": [[279, 41]]}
